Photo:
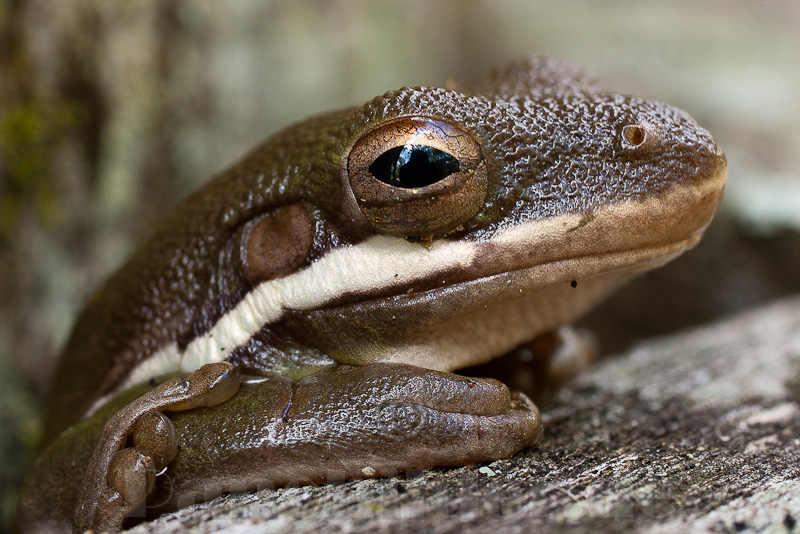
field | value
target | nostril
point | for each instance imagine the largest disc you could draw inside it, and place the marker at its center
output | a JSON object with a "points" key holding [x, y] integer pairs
{"points": [[635, 135]]}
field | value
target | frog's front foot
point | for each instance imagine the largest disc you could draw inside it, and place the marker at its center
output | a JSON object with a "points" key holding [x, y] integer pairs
{"points": [[340, 423], [119, 477], [401, 417]]}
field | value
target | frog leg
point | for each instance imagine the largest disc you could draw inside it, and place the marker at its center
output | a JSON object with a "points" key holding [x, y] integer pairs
{"points": [[118, 479], [340, 423], [540, 367]]}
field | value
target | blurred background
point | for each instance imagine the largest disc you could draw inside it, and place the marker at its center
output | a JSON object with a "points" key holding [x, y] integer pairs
{"points": [[111, 112]]}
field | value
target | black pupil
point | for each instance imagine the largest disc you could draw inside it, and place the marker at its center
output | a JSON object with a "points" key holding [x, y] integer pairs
{"points": [[413, 166]]}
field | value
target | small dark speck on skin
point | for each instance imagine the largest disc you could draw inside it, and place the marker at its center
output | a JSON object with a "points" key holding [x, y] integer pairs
{"points": [[739, 525], [574, 284], [789, 522], [586, 219], [289, 402]]}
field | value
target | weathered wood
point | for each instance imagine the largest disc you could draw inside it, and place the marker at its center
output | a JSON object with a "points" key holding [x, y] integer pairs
{"points": [[696, 432]]}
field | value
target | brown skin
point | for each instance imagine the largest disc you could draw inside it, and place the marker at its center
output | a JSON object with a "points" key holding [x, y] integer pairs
{"points": [[548, 182]]}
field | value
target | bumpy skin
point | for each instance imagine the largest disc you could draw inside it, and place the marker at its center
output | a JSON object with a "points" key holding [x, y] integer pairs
{"points": [[584, 189]]}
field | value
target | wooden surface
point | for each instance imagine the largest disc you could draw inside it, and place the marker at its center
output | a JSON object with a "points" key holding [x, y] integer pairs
{"points": [[695, 432]]}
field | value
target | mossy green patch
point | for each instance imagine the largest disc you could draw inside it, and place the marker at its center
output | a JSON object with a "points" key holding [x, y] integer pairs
{"points": [[29, 137]]}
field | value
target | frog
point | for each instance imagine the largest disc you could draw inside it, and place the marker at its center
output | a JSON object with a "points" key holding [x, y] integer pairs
{"points": [[300, 318]]}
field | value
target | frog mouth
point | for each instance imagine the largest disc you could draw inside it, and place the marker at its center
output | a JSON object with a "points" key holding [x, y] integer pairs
{"points": [[521, 279], [485, 290], [403, 327]]}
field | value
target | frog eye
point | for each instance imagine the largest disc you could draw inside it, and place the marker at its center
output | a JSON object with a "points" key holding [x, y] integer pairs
{"points": [[412, 166], [417, 177]]}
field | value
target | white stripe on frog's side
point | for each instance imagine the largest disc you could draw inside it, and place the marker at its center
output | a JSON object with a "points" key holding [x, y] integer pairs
{"points": [[378, 262]]}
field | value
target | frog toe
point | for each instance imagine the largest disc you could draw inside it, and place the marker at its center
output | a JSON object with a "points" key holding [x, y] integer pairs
{"points": [[425, 437], [408, 417], [155, 433], [132, 476]]}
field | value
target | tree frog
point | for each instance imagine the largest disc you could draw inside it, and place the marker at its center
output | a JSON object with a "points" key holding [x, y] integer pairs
{"points": [[298, 319]]}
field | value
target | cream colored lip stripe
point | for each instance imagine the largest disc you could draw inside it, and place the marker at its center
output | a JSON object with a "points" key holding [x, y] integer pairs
{"points": [[378, 262]]}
